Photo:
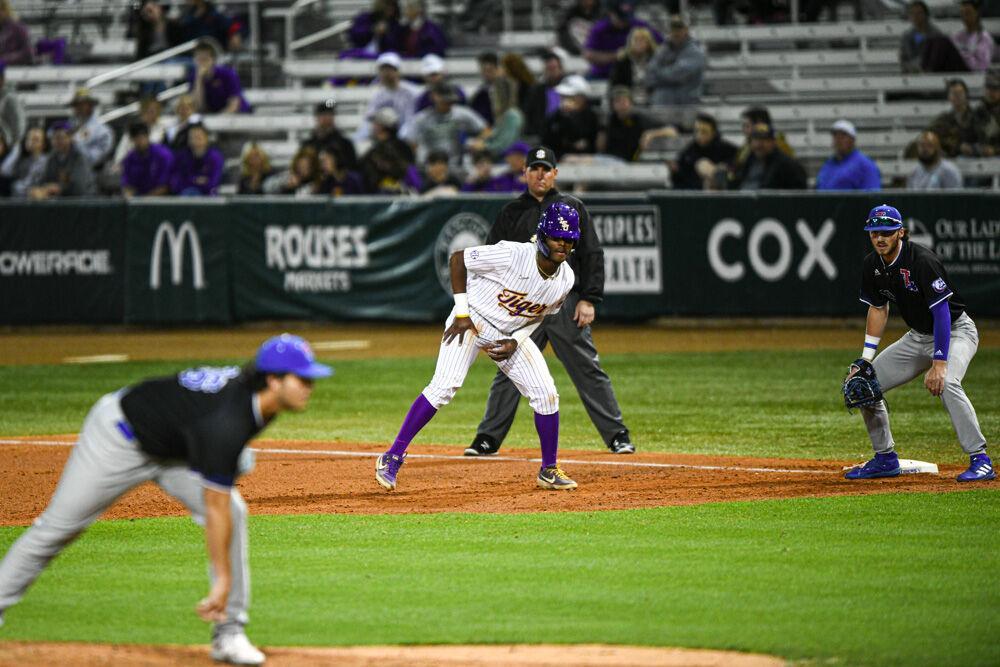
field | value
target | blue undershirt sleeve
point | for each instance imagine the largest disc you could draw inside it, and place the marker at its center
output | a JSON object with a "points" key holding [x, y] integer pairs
{"points": [[942, 329]]}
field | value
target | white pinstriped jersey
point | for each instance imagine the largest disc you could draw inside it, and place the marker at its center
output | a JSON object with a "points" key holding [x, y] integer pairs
{"points": [[507, 290]]}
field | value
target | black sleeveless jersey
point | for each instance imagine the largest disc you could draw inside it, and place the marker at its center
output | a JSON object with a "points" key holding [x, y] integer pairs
{"points": [[204, 416], [915, 282]]}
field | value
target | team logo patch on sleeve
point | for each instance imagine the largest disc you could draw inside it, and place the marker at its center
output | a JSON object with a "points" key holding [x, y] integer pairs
{"points": [[939, 285]]}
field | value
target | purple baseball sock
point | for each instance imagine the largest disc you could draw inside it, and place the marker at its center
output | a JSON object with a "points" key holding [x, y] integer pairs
{"points": [[548, 436], [420, 413]]}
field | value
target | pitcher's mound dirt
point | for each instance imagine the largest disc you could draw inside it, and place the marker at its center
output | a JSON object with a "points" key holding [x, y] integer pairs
{"points": [[32, 654]]}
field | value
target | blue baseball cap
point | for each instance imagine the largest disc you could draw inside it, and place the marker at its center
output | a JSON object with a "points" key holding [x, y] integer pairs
{"points": [[883, 218], [290, 354]]}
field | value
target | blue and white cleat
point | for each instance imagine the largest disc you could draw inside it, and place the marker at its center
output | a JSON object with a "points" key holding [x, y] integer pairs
{"points": [[386, 468], [980, 469], [883, 465]]}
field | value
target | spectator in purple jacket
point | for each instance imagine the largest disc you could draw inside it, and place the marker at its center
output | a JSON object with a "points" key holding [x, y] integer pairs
{"points": [[198, 168], [420, 35], [512, 180], [609, 35], [335, 179], [146, 168], [215, 88], [15, 42], [378, 30]]}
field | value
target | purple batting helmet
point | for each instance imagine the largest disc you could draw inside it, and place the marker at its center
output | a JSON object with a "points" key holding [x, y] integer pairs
{"points": [[290, 354], [883, 218], [560, 221]]}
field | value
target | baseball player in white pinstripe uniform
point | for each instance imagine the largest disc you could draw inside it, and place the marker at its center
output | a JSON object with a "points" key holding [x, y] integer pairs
{"points": [[502, 292]]}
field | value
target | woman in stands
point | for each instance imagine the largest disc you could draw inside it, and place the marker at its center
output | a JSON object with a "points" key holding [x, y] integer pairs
{"points": [[300, 178], [25, 165], [630, 68], [255, 168], [197, 169], [335, 179]]}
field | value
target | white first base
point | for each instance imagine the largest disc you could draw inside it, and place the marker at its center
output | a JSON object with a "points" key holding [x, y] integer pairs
{"points": [[911, 467]]}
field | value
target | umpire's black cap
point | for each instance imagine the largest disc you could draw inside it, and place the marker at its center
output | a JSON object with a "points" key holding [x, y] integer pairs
{"points": [[542, 155], [328, 105]]}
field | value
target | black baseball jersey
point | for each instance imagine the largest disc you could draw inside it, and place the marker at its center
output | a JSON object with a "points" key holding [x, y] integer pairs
{"points": [[915, 282], [204, 416], [518, 222]]}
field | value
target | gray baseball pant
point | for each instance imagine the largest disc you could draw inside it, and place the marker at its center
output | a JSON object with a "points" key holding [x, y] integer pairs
{"points": [[911, 356], [575, 349], [105, 464]]}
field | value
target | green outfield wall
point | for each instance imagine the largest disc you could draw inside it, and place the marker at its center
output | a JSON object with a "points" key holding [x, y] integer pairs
{"points": [[173, 261]]}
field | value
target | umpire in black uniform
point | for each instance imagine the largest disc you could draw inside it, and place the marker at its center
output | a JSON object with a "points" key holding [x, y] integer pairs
{"points": [[569, 329]]}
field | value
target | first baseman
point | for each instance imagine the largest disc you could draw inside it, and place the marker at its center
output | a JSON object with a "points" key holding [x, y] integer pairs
{"points": [[941, 341], [502, 292], [187, 433]]}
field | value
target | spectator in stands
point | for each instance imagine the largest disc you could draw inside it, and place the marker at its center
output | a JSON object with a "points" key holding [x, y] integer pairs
{"points": [[750, 117], [703, 163], [153, 30], [434, 71], [509, 123], [513, 67], [512, 180], [392, 91], [913, 46], [421, 36], [255, 169], [176, 137], [954, 127], [377, 31], [15, 42], [438, 180], [444, 126], [201, 19], [629, 69], [147, 168], [150, 109], [767, 167], [326, 135], [574, 128], [12, 116], [986, 118], [388, 166], [933, 172], [577, 23], [973, 42], [67, 171], [811, 9], [674, 76], [609, 35], [480, 179], [625, 127], [489, 69], [848, 168], [25, 165], [94, 139], [334, 178], [299, 179], [197, 169], [215, 88]]}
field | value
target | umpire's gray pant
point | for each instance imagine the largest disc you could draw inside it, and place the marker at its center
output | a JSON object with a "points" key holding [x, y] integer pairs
{"points": [[911, 356], [575, 349], [105, 464]]}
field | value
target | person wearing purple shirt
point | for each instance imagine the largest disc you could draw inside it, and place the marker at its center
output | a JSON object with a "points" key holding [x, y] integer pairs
{"points": [[146, 168], [377, 31], [15, 42], [609, 35], [421, 36], [215, 88], [512, 180], [198, 168], [335, 179]]}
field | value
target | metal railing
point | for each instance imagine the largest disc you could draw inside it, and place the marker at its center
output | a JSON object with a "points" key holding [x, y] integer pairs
{"points": [[128, 109], [143, 63]]}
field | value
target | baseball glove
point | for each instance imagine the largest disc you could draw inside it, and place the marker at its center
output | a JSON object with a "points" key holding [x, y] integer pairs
{"points": [[861, 388]]}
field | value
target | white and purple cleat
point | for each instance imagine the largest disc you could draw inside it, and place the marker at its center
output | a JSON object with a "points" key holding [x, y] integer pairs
{"points": [[386, 468]]}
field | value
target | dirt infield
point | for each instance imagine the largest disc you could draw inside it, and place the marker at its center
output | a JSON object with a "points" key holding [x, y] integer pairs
{"points": [[314, 478]]}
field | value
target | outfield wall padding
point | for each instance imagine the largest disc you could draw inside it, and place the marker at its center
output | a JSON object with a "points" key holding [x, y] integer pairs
{"points": [[220, 260]]}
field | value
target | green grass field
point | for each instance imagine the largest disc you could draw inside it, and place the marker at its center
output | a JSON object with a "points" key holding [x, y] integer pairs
{"points": [[878, 580]]}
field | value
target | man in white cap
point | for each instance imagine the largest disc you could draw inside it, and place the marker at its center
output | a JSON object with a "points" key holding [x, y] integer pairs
{"points": [[573, 128], [434, 71], [849, 168], [392, 91]]}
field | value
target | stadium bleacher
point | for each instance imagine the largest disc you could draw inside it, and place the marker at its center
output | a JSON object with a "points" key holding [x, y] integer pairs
{"points": [[808, 75]]}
